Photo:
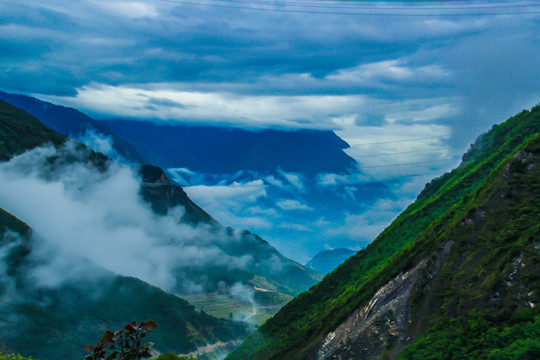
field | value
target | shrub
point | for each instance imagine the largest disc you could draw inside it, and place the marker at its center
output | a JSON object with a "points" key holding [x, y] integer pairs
{"points": [[123, 344]]}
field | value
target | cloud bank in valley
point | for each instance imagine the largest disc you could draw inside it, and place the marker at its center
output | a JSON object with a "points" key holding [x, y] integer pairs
{"points": [[88, 223]]}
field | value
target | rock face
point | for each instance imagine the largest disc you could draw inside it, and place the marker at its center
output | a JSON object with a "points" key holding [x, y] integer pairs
{"points": [[386, 323], [382, 323], [373, 327], [158, 191]]}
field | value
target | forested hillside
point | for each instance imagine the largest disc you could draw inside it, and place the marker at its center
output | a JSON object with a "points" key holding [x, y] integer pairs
{"points": [[51, 321], [458, 268]]}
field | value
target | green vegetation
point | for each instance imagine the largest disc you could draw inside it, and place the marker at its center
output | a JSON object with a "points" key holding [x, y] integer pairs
{"points": [[20, 131], [68, 319], [53, 322], [14, 357], [172, 356], [480, 336], [420, 230], [484, 302], [124, 344], [223, 305]]}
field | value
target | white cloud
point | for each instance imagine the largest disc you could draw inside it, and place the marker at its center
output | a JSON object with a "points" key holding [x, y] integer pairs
{"points": [[234, 205], [82, 217], [396, 150], [178, 104], [249, 192], [296, 180], [101, 143], [329, 179], [397, 70], [293, 205], [129, 9], [366, 226]]}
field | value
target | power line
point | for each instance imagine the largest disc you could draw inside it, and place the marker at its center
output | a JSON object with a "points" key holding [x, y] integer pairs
{"points": [[245, 156], [403, 164], [332, 170], [402, 152], [379, 6], [398, 141], [315, 145], [355, 13]]}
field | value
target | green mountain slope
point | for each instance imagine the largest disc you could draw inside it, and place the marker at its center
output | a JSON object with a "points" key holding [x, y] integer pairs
{"points": [[411, 273], [50, 323], [55, 322], [19, 132]]}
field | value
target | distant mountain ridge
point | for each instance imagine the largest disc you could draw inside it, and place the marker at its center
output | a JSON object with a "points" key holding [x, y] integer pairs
{"points": [[70, 122], [218, 150], [327, 260], [299, 177], [455, 276]]}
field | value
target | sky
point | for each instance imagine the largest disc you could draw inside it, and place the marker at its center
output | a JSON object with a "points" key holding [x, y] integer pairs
{"points": [[409, 85]]}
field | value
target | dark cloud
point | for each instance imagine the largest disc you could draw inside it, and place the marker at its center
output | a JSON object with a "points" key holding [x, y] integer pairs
{"points": [[486, 64]]}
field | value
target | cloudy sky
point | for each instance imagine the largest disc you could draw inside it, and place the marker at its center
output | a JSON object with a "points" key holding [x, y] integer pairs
{"points": [[409, 85], [316, 64]]}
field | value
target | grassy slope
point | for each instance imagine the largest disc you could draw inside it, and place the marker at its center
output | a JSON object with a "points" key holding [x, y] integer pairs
{"points": [[224, 305], [303, 321]]}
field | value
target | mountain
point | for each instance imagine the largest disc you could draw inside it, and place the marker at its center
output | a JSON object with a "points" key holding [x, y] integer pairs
{"points": [[158, 190], [267, 270], [55, 322], [48, 322], [288, 278], [327, 260], [455, 276], [297, 179], [70, 122], [19, 132], [288, 183], [60, 300], [216, 150]]}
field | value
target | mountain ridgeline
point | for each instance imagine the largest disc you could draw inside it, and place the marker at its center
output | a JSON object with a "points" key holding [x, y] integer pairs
{"points": [[70, 122], [216, 150], [54, 320], [455, 276]]}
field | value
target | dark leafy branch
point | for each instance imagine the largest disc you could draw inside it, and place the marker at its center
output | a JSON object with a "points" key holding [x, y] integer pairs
{"points": [[123, 344]]}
